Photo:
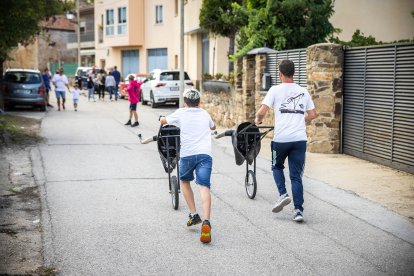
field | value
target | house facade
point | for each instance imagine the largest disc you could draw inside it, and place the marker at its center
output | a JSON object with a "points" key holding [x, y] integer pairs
{"points": [[141, 35], [385, 20]]}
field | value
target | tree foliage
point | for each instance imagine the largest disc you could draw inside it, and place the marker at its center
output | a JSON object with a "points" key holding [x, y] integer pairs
{"points": [[285, 24], [20, 21], [221, 18]]}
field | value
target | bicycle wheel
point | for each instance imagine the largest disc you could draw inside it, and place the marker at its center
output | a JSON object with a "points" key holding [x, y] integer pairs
{"points": [[250, 184], [174, 192]]}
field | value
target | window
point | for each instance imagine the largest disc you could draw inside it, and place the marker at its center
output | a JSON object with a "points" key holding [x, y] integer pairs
{"points": [[157, 59], [82, 26], [109, 22], [205, 53], [122, 20], [158, 14], [176, 7]]}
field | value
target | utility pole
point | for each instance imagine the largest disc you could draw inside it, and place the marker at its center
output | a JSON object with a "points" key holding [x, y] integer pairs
{"points": [[78, 31], [181, 52]]}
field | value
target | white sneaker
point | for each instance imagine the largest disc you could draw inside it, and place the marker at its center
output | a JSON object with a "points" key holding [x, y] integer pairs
{"points": [[298, 215], [283, 201]]}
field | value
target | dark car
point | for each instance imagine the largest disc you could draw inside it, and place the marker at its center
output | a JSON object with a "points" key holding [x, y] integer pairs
{"points": [[23, 87]]}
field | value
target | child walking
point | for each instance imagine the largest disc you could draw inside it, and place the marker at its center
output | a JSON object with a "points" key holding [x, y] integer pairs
{"points": [[195, 156], [75, 96]]}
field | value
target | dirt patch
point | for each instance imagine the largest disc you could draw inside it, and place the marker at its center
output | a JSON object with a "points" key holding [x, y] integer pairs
{"points": [[20, 206]]}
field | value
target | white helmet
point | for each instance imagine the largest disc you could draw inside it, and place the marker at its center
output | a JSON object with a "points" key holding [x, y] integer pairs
{"points": [[191, 94]]}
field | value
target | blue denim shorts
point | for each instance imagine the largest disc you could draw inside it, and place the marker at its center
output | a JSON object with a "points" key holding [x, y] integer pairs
{"points": [[60, 94], [200, 163]]}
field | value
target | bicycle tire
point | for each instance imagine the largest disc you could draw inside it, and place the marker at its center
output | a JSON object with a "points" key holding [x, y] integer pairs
{"points": [[250, 184], [175, 200]]}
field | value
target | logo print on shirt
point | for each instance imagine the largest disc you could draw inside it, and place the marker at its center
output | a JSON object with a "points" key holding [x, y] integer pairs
{"points": [[292, 105]]}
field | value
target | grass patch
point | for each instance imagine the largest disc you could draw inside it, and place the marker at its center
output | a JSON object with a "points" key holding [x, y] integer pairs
{"points": [[18, 131]]}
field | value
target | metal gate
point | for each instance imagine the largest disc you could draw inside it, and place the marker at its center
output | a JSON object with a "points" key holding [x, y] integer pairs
{"points": [[378, 104], [298, 56]]}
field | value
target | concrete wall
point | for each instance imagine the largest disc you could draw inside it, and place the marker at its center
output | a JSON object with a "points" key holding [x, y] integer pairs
{"points": [[386, 20], [324, 73]]}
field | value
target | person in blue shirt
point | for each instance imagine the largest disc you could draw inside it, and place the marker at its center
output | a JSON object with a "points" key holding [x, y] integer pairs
{"points": [[46, 80], [117, 77]]}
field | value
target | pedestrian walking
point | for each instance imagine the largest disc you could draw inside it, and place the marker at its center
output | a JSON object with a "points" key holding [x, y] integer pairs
{"points": [[293, 107], [91, 89], [60, 81], [195, 156], [46, 79], [76, 96], [78, 79], [134, 93], [110, 86], [117, 77], [100, 81]]}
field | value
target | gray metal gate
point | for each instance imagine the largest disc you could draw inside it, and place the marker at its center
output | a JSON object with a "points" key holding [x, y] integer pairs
{"points": [[298, 56], [378, 106]]}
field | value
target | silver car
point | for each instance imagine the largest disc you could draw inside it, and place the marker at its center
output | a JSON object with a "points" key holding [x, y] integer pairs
{"points": [[163, 86], [24, 87]]}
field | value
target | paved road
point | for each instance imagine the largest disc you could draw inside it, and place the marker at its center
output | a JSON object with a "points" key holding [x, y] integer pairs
{"points": [[107, 211]]}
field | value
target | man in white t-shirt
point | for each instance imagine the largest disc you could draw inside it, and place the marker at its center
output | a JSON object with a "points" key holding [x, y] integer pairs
{"points": [[195, 156], [60, 81], [293, 107]]}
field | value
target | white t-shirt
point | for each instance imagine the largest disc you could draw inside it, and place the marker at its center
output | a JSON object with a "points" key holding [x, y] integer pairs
{"points": [[60, 82], [290, 102], [195, 130], [76, 93]]}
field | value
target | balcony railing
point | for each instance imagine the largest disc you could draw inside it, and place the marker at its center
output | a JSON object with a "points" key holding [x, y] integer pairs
{"points": [[84, 37]]}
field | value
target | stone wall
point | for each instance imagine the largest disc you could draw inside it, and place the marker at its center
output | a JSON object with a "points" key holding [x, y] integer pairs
{"points": [[324, 73], [324, 70]]}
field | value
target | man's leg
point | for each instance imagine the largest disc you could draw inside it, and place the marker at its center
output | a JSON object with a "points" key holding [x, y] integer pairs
{"points": [[279, 154], [296, 161], [57, 94]]}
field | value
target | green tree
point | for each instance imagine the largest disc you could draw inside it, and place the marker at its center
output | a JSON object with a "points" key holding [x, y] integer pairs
{"points": [[223, 18], [285, 24], [20, 22]]}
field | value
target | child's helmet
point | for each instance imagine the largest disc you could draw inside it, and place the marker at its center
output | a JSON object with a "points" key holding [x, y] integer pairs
{"points": [[191, 94]]}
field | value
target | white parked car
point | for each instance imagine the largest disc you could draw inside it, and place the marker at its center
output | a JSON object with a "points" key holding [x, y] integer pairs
{"points": [[163, 86]]}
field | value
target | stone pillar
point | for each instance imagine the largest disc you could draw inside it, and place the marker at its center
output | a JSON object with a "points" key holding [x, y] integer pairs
{"points": [[324, 66], [249, 73]]}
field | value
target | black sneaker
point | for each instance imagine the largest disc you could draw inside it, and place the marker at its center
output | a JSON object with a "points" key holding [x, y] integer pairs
{"points": [[205, 232], [193, 220], [128, 123], [135, 124]]}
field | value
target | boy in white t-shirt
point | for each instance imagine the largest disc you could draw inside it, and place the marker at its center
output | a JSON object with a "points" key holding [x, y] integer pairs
{"points": [[195, 156], [293, 107], [76, 96]]}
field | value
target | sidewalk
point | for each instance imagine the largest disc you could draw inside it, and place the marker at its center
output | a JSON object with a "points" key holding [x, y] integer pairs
{"points": [[390, 188]]}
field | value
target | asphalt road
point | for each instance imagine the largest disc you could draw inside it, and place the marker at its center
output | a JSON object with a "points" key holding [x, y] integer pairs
{"points": [[107, 210]]}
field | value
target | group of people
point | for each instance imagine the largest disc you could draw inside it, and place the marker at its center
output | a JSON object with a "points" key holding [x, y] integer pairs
{"points": [[97, 81], [293, 108]]}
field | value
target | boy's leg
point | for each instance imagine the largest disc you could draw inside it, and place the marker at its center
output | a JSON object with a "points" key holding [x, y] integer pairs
{"points": [[188, 196], [205, 201], [136, 116]]}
